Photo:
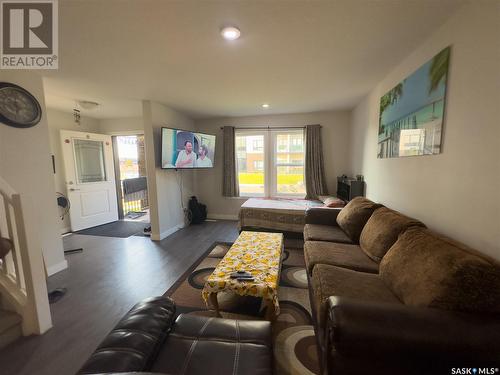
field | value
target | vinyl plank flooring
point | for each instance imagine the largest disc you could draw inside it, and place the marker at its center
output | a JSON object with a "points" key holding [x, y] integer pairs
{"points": [[104, 282]]}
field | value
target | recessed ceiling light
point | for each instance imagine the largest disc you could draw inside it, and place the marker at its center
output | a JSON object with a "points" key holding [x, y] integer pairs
{"points": [[265, 105], [230, 33]]}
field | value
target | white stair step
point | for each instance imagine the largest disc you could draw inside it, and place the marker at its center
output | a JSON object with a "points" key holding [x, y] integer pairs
{"points": [[10, 327]]}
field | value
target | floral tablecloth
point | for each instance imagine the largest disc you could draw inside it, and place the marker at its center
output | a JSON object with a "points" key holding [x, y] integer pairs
{"points": [[258, 253]]}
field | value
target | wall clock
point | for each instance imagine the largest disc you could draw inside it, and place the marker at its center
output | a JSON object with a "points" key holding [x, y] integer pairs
{"points": [[18, 108]]}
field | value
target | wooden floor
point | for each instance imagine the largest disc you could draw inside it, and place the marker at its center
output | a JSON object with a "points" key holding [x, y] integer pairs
{"points": [[104, 282]]}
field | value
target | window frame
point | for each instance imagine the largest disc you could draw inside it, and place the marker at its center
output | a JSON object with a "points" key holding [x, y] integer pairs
{"points": [[274, 161], [270, 164], [256, 132]]}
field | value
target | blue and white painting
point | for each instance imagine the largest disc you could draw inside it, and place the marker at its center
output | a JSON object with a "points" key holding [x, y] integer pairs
{"points": [[412, 112]]}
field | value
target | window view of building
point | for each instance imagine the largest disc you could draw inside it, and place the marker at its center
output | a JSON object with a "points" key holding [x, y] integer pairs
{"points": [[250, 161], [271, 168], [289, 163]]}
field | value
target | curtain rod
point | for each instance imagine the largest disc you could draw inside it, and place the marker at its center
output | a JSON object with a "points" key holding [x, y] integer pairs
{"points": [[270, 127]]}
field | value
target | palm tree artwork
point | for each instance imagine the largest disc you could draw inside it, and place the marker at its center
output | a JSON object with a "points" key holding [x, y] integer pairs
{"points": [[412, 112], [439, 69], [389, 98]]}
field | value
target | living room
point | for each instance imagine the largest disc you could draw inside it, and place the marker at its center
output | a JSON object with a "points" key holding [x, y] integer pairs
{"points": [[283, 69]]}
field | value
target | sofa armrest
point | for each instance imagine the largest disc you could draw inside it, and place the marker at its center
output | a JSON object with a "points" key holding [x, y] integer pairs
{"points": [[376, 328], [132, 346], [322, 215]]}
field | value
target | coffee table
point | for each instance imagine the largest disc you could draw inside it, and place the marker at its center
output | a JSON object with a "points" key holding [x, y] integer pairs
{"points": [[258, 253]]}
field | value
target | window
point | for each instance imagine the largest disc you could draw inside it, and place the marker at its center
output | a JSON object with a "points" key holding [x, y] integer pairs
{"points": [[257, 144], [89, 160], [258, 165], [270, 163], [297, 143], [282, 142], [250, 171], [240, 144], [288, 166]]}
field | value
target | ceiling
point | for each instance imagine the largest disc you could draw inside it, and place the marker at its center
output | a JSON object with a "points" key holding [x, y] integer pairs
{"points": [[298, 56]]}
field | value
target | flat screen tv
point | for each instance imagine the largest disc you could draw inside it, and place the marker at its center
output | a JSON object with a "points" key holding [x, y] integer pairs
{"points": [[182, 149]]}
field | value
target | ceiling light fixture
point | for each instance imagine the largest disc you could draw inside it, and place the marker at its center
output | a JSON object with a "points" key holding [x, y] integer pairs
{"points": [[230, 33], [86, 104], [265, 105]]}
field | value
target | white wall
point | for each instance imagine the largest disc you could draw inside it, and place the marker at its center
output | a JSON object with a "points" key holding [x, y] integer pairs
{"points": [[455, 192], [164, 185], [335, 133], [25, 164], [122, 126], [58, 121]]}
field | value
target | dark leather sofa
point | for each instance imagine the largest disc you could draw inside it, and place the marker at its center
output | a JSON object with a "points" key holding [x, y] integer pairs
{"points": [[390, 296], [148, 339], [392, 338]]}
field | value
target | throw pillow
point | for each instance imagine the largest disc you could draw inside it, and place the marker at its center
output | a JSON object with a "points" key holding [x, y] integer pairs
{"points": [[333, 202], [382, 230], [353, 217]]}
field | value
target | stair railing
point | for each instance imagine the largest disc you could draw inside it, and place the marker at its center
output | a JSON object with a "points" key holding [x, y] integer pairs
{"points": [[22, 274]]}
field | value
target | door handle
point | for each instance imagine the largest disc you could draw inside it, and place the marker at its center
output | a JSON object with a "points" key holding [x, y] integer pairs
{"points": [[72, 189]]}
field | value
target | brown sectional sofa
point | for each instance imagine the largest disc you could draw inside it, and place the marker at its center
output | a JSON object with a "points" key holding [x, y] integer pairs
{"points": [[356, 237], [395, 295]]}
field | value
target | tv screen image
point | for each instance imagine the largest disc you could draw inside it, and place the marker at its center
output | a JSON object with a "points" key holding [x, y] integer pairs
{"points": [[182, 149]]}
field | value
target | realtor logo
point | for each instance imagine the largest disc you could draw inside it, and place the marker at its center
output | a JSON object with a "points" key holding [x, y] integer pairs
{"points": [[29, 37]]}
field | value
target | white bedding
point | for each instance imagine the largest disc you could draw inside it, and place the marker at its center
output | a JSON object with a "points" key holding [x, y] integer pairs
{"points": [[281, 204]]}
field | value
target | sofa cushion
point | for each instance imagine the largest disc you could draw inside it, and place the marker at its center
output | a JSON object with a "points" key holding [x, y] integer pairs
{"points": [[134, 342], [382, 230], [426, 269], [329, 281], [331, 233], [322, 216], [337, 254], [353, 217], [205, 345]]}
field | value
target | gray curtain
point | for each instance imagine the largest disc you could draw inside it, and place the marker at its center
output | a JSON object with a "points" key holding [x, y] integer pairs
{"points": [[230, 187], [315, 170]]}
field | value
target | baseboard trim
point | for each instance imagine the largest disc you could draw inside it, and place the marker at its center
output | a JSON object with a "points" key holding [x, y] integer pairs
{"points": [[65, 230], [58, 267], [165, 234], [222, 217]]}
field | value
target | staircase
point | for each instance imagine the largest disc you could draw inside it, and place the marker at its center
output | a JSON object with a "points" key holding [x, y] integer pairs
{"points": [[10, 322], [24, 305]]}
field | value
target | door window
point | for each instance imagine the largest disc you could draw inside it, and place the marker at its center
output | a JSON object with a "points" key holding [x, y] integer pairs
{"points": [[89, 160]]}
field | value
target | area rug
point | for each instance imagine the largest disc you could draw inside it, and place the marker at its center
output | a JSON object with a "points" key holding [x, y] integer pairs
{"points": [[120, 228], [293, 334]]}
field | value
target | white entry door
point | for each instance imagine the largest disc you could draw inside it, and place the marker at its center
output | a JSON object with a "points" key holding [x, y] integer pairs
{"points": [[90, 178]]}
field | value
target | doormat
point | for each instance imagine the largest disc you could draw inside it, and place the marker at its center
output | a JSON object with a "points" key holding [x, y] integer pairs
{"points": [[135, 214], [120, 228]]}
